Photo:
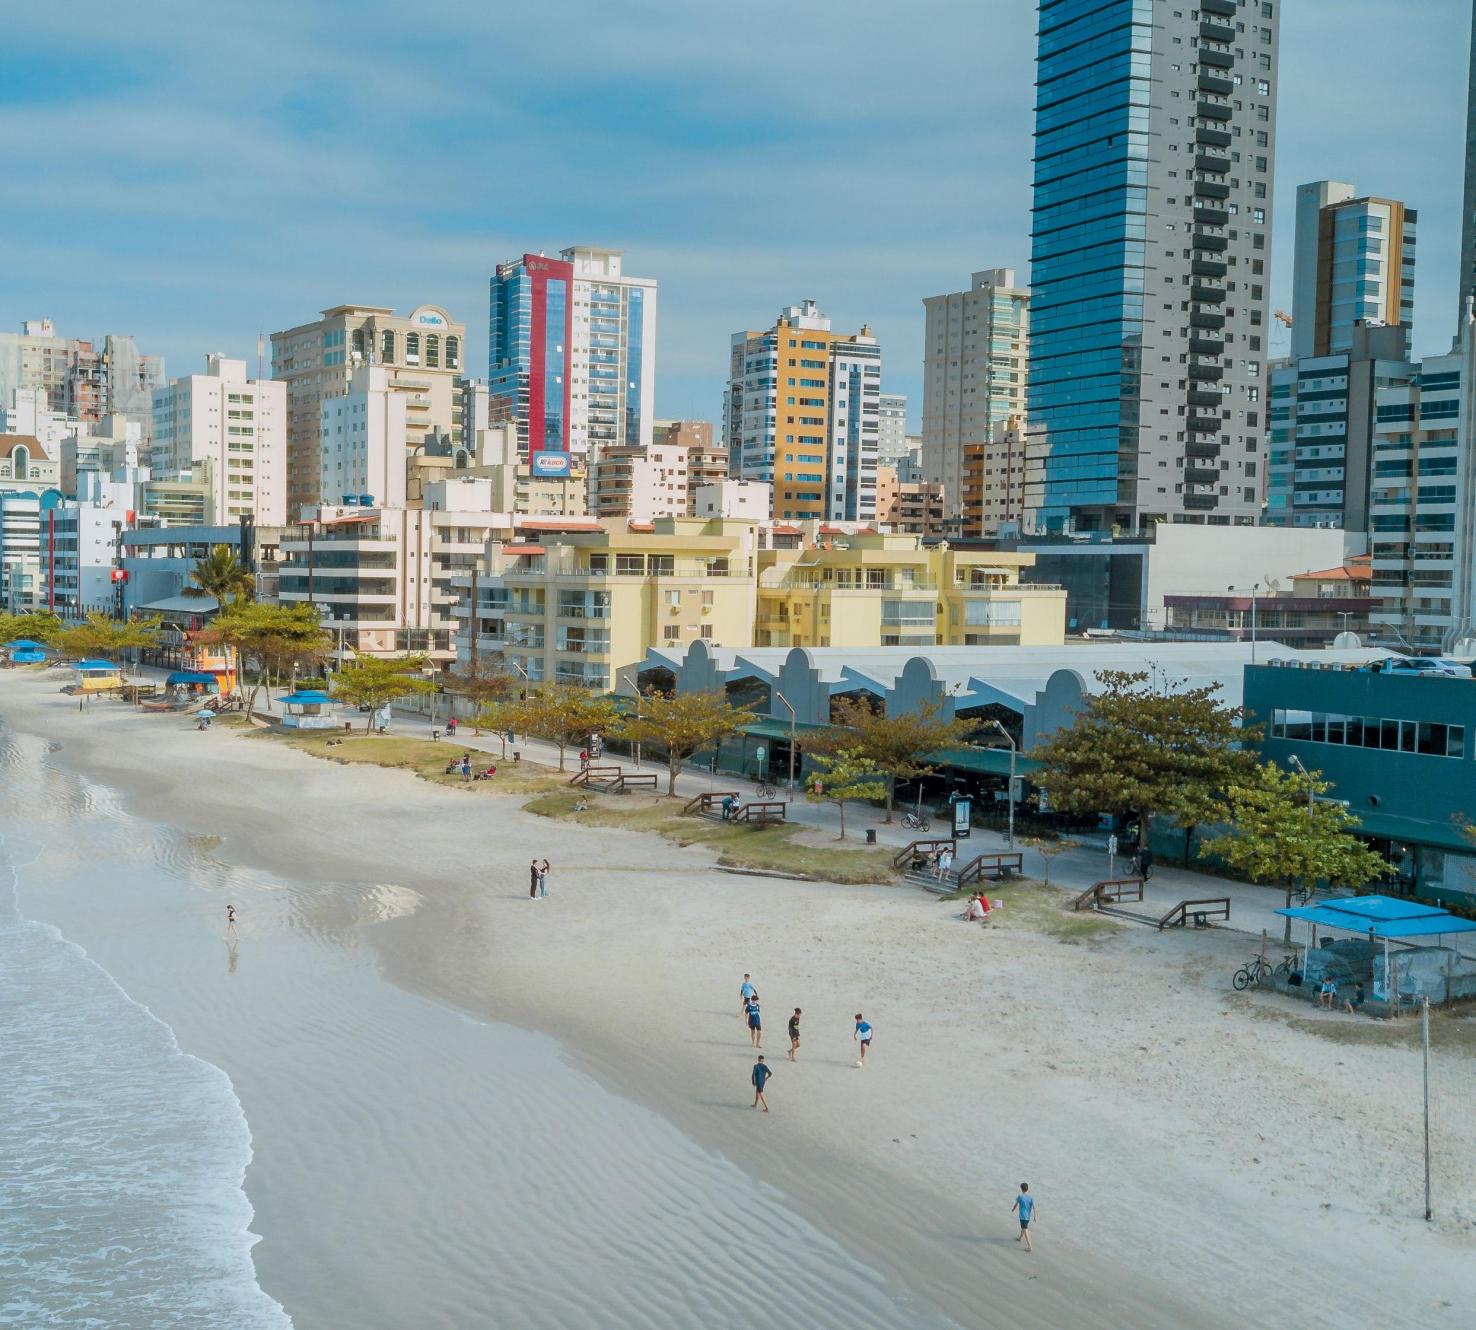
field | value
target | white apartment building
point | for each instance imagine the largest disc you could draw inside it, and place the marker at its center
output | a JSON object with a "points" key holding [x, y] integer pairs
{"points": [[116, 441], [364, 441], [892, 439], [612, 362], [747, 499], [976, 349], [76, 379], [236, 425], [80, 546], [25, 411], [643, 483]]}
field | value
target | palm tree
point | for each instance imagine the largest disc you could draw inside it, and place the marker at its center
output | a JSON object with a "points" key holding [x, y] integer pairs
{"points": [[222, 575]]}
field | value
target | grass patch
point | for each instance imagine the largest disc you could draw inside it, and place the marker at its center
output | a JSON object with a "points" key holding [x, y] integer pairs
{"points": [[1449, 1032], [766, 849], [1034, 907], [426, 758]]}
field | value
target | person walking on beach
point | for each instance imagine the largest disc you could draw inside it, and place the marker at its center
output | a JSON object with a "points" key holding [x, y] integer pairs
{"points": [[794, 1034], [1025, 1204], [863, 1033], [755, 1022], [945, 863], [543, 878], [760, 1078], [533, 879], [231, 923], [746, 991]]}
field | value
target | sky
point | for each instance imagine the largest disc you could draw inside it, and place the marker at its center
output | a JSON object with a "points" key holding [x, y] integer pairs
{"points": [[196, 174]]}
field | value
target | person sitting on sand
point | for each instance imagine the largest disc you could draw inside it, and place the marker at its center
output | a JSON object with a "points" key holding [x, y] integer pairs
{"points": [[1327, 994], [978, 909], [582, 806], [1352, 1004]]}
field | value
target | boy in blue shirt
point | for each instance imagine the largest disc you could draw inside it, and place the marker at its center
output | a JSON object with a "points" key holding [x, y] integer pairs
{"points": [[1025, 1204], [760, 1078], [863, 1034]]}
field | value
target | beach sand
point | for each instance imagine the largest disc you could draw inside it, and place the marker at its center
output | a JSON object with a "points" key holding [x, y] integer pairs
{"points": [[1200, 1157]]}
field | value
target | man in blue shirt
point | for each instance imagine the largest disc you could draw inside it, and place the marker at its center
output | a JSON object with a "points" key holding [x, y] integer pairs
{"points": [[863, 1034], [760, 1078], [1025, 1204]]}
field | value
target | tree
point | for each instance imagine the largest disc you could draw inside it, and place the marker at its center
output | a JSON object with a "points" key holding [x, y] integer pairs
{"points": [[34, 626], [222, 575], [484, 683], [274, 638], [897, 745], [562, 713], [1049, 849], [1277, 835], [99, 635], [374, 681], [1137, 751], [843, 775], [684, 723]]}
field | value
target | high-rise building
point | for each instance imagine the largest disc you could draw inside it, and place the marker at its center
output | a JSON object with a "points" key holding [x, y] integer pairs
{"points": [[1150, 256], [801, 414], [571, 354], [422, 354], [78, 380], [234, 426], [1354, 263], [364, 440], [974, 370], [1468, 202], [891, 429]]}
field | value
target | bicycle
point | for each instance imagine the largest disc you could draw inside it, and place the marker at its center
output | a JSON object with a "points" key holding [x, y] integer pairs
{"points": [[918, 821], [765, 789], [1286, 965], [1257, 970]]}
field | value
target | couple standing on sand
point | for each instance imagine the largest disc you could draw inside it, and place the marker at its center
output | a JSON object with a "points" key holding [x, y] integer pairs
{"points": [[537, 879]]}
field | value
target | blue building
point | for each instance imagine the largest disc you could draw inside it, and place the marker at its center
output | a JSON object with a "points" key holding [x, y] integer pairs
{"points": [[1400, 749], [1150, 249]]}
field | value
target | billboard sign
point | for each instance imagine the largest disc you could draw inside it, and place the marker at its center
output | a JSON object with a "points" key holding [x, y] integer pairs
{"points": [[548, 463]]}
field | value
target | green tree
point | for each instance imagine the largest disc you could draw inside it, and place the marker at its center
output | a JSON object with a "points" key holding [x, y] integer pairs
{"points": [[98, 635], [897, 745], [684, 724], [564, 714], [34, 626], [373, 681], [1137, 751], [222, 575], [274, 639], [841, 776], [1278, 834], [484, 683]]}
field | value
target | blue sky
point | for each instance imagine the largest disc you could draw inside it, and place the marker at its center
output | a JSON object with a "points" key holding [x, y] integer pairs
{"points": [[193, 174]]}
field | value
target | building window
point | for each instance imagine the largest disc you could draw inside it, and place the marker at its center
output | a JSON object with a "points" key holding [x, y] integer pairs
{"points": [[453, 353], [432, 351], [387, 346], [412, 348]]}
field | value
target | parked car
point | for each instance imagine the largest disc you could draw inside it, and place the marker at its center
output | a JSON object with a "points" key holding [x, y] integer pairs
{"points": [[1431, 665]]}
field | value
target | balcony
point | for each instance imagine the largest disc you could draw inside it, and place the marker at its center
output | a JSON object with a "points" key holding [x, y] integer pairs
{"points": [[1215, 244], [1205, 397], [1206, 161], [1206, 346], [1201, 502], [1201, 475], [1202, 448], [1216, 59], [1219, 8], [1206, 373], [1213, 110], [1211, 189], [1210, 31], [1211, 216], [1203, 424], [1206, 318], [1219, 87], [1207, 295]]}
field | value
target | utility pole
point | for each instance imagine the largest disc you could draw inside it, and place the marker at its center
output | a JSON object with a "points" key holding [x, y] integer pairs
{"points": [[1425, 1044], [789, 709], [472, 622], [1009, 739], [1255, 590]]}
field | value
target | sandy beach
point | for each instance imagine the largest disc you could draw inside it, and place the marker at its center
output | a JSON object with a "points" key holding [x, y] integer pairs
{"points": [[416, 1046]]}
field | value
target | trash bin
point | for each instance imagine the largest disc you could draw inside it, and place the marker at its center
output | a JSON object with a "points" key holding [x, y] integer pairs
{"points": [[435, 734], [871, 835], [517, 756]]}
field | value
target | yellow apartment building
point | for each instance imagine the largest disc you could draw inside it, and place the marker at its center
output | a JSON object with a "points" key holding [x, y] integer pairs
{"points": [[866, 590], [585, 607]]}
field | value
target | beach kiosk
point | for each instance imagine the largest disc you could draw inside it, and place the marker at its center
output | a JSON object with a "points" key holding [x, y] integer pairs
{"points": [[97, 676], [189, 686], [26, 652], [309, 709]]}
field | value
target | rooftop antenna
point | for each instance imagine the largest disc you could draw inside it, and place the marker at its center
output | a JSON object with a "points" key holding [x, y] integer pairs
{"points": [[260, 354]]}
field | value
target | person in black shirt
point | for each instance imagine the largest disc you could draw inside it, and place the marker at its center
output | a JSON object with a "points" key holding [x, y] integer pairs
{"points": [[794, 1033]]}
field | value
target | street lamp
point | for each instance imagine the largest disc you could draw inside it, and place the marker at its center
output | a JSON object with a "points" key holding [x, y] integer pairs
{"points": [[1307, 776], [636, 688], [1255, 590], [789, 709], [1009, 739]]}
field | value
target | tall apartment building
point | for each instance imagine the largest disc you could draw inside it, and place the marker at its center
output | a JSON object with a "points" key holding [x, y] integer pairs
{"points": [[234, 425], [1354, 263], [1155, 125], [365, 436], [79, 380], [909, 507], [571, 354], [422, 355], [801, 413], [1467, 276], [892, 439], [643, 483], [974, 368], [1422, 505], [993, 496]]}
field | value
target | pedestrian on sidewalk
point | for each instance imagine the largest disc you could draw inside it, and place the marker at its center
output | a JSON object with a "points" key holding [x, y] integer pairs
{"points": [[760, 1078], [863, 1033], [543, 878], [533, 879], [794, 1034], [450, 727], [583, 758], [1025, 1204]]}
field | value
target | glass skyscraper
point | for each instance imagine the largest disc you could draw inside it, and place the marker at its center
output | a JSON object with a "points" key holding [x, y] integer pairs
{"points": [[1149, 262], [529, 334]]}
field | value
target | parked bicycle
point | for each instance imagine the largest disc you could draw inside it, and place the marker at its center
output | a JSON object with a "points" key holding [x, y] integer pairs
{"points": [[1257, 970], [765, 789], [918, 821], [1287, 965]]}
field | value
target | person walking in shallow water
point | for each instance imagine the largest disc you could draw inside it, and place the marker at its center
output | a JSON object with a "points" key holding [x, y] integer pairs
{"points": [[760, 1078], [231, 923], [1025, 1204]]}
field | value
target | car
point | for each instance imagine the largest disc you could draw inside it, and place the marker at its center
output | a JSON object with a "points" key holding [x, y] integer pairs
{"points": [[1429, 665]]}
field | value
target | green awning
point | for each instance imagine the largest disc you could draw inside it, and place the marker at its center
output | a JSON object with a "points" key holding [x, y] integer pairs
{"points": [[1414, 830], [983, 761], [779, 729]]}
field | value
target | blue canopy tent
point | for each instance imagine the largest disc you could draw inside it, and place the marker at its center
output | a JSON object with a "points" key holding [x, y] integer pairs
{"points": [[309, 709], [1383, 918], [23, 651], [192, 678]]}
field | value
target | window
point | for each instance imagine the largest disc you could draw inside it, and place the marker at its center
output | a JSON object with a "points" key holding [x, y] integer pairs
{"points": [[453, 353], [412, 348], [433, 351], [670, 633], [387, 346]]}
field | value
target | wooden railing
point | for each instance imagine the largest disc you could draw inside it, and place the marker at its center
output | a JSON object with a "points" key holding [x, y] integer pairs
{"points": [[586, 774], [1000, 865], [761, 812], [1110, 892], [1214, 907], [922, 849], [710, 799]]}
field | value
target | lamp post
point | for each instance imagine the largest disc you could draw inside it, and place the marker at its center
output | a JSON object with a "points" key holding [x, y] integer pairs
{"points": [[635, 688], [792, 718], [527, 683], [1009, 739], [1255, 590], [1306, 776]]}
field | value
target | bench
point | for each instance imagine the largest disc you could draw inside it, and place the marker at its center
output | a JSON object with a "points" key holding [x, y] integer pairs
{"points": [[1001, 867], [1200, 911], [761, 813]]}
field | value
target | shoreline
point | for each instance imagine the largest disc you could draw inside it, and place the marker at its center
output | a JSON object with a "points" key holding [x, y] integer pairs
{"points": [[885, 1164]]}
